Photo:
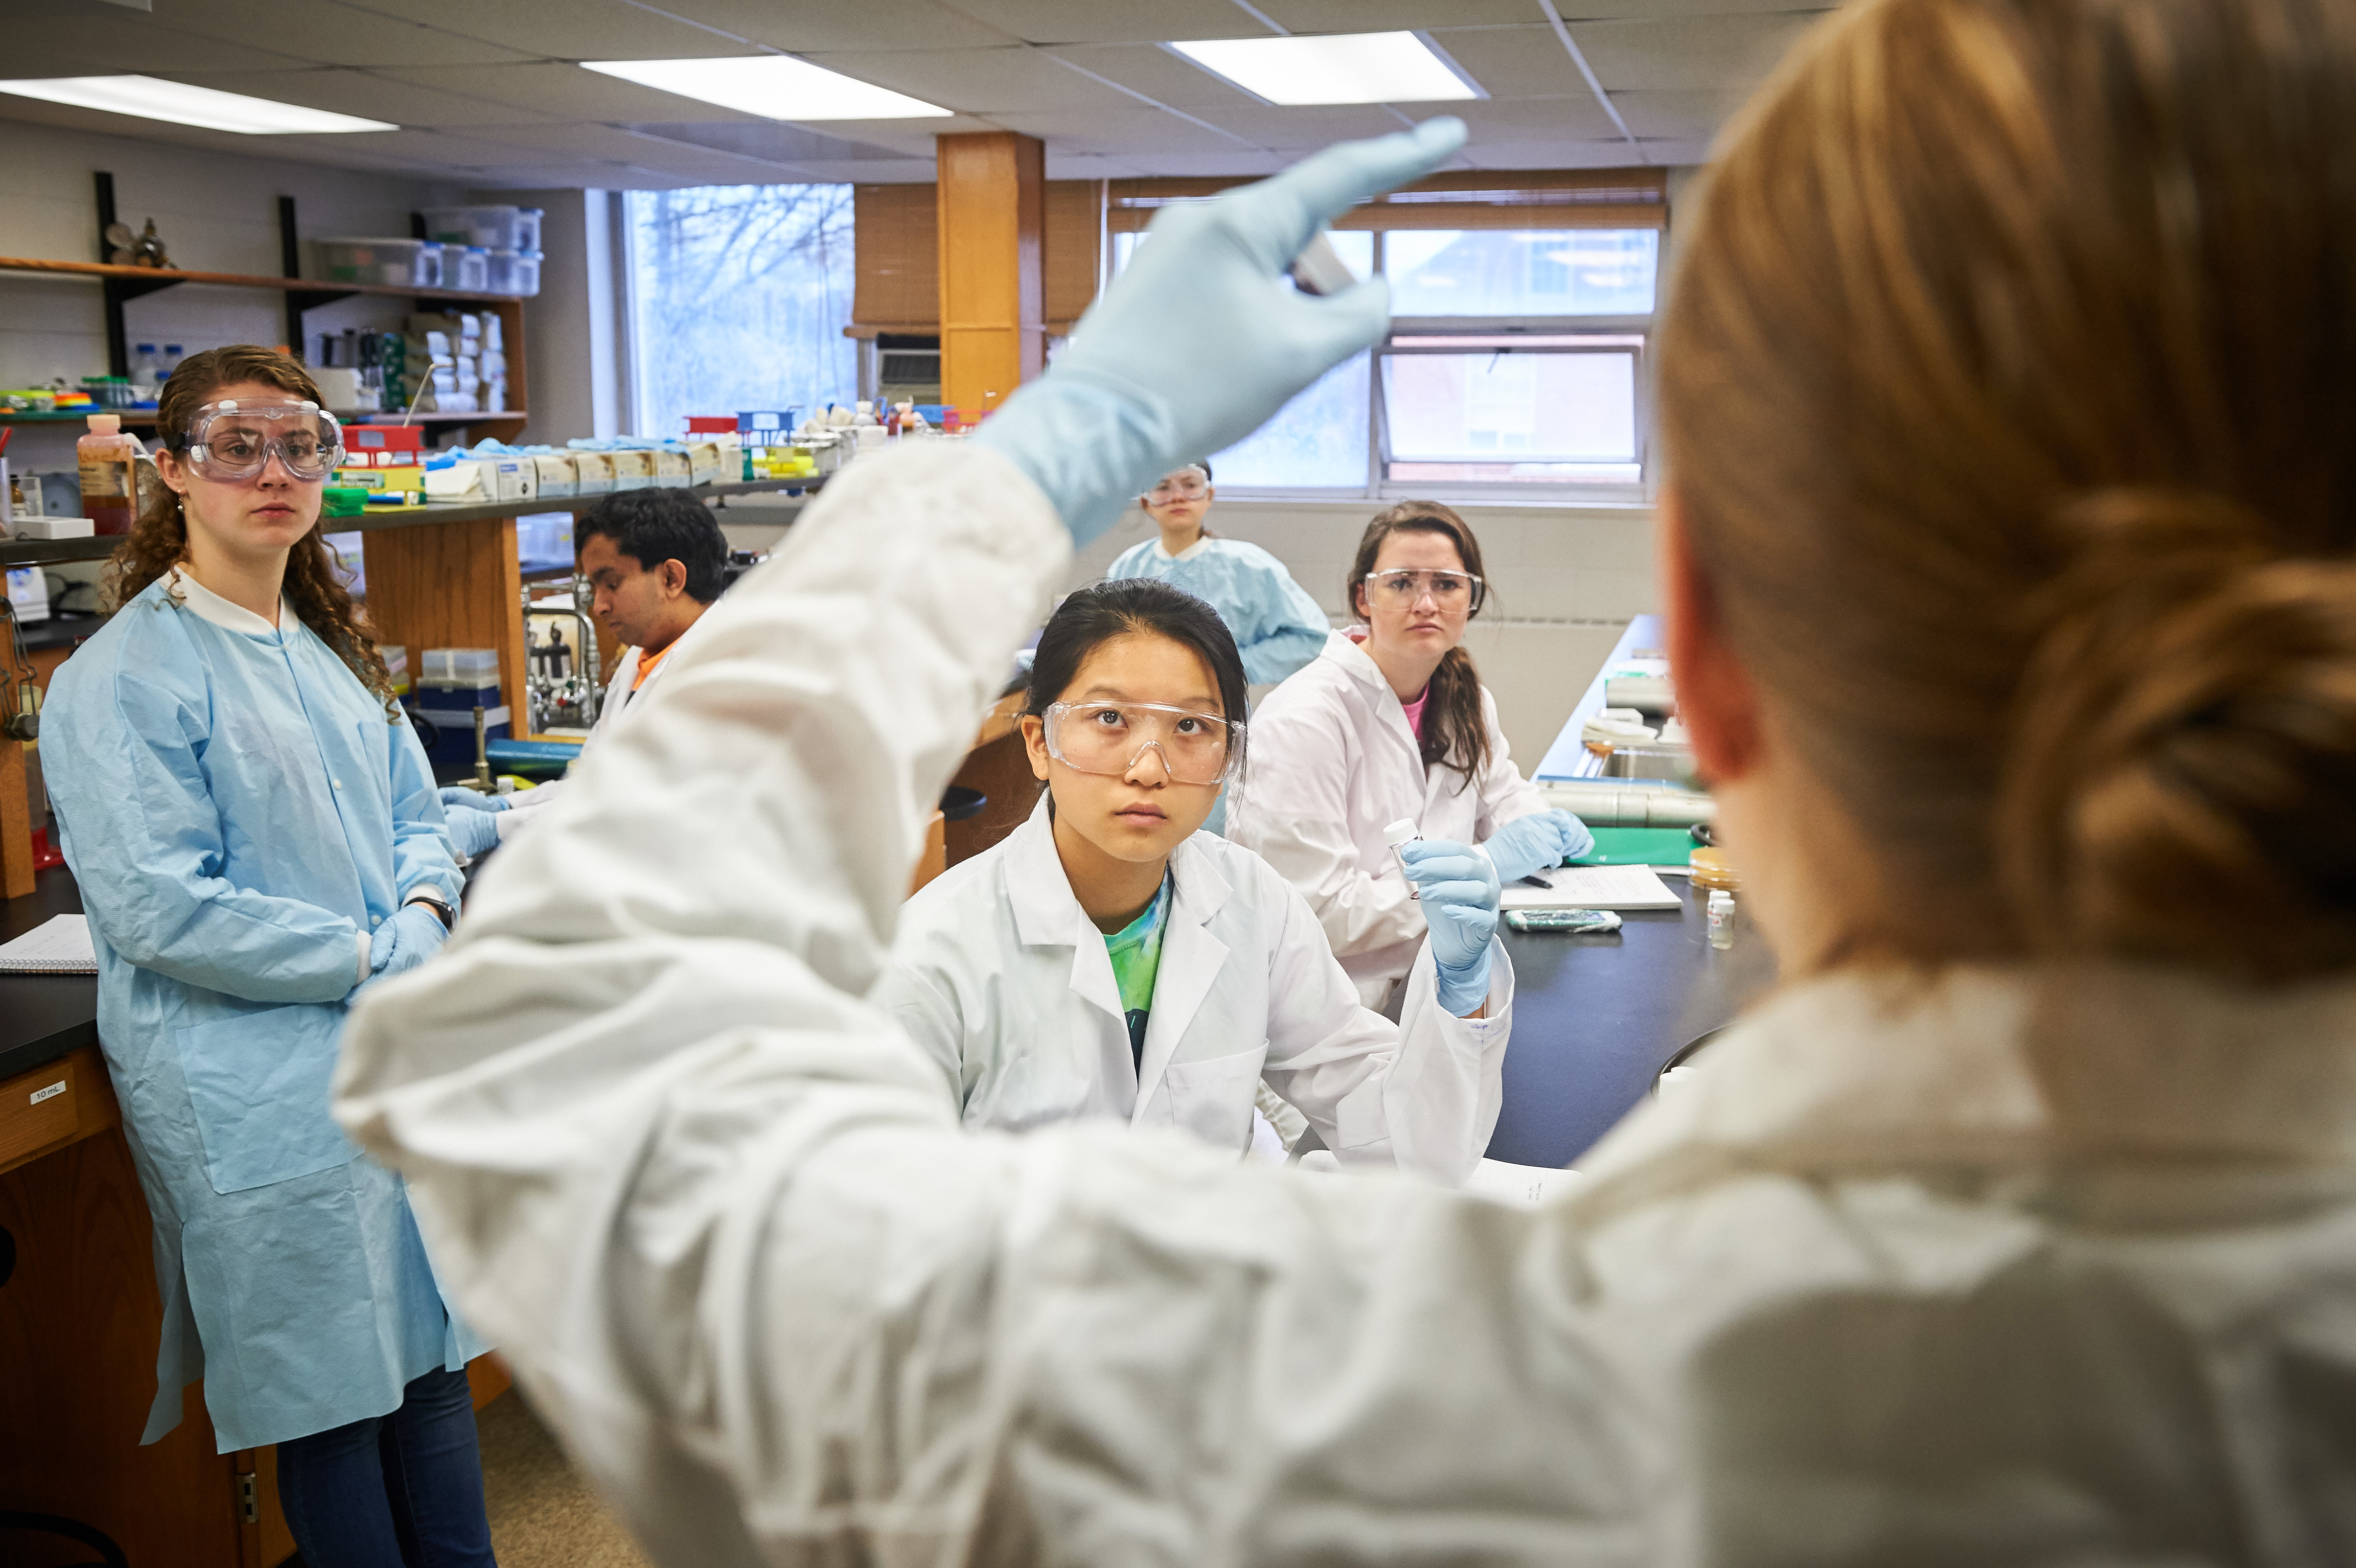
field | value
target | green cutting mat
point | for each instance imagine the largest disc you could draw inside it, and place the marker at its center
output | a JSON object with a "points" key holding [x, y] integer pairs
{"points": [[1639, 846]]}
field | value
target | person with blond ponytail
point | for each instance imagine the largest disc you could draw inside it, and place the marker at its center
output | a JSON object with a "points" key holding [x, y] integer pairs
{"points": [[256, 837], [2009, 553], [1390, 723]]}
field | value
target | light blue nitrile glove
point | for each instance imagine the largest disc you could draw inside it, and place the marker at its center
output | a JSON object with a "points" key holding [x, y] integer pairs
{"points": [[472, 799], [1460, 904], [1536, 842], [1202, 338], [404, 943], [473, 833]]}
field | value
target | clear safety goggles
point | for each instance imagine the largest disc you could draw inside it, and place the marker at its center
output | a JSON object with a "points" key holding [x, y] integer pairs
{"points": [[233, 440], [1189, 483], [1113, 737], [1403, 589]]}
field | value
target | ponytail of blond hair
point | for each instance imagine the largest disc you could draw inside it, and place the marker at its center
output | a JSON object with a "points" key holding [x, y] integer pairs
{"points": [[2009, 381]]}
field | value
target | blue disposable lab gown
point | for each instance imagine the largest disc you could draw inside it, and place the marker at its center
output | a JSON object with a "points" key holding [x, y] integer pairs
{"points": [[1278, 628], [237, 810]]}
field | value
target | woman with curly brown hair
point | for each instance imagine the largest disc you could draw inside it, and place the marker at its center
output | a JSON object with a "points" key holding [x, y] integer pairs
{"points": [[257, 837]]}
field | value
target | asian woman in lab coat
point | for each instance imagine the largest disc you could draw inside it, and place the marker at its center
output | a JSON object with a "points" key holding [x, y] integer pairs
{"points": [[1106, 959], [2007, 377], [255, 834], [1395, 725]]}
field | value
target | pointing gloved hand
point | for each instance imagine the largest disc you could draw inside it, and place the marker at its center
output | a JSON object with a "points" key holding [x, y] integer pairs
{"points": [[404, 943], [1460, 892], [472, 799], [1536, 842], [473, 833], [1202, 338]]}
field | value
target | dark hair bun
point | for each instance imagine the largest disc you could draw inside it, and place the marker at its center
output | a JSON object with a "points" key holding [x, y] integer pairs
{"points": [[2182, 776]]}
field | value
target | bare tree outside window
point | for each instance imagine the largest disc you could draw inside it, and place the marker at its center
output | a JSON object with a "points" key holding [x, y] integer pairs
{"points": [[741, 293]]}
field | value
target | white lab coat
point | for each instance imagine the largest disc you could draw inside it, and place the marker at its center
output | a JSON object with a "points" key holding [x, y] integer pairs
{"points": [[620, 693], [1332, 763], [1999, 1269], [1002, 978]]}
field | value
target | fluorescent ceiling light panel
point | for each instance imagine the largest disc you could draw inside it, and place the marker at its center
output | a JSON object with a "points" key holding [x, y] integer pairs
{"points": [[1336, 68], [776, 87], [152, 98]]}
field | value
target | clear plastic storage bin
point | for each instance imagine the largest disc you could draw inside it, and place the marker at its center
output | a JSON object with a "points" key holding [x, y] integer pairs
{"points": [[467, 268], [461, 667], [514, 272], [492, 228], [405, 264]]}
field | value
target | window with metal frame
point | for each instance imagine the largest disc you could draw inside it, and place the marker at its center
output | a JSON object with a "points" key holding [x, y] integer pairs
{"points": [[1516, 365]]}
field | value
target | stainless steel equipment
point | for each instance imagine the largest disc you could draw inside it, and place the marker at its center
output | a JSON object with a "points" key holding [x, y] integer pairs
{"points": [[560, 686], [1629, 805]]}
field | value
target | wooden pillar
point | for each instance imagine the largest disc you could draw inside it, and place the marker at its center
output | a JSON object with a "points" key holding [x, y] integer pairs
{"points": [[993, 304]]}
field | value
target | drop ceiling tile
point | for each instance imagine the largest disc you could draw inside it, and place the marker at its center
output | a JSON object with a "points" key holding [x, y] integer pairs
{"points": [[898, 171], [1088, 165], [1303, 126], [1099, 22], [1692, 116], [1164, 77], [564, 29], [357, 92], [509, 180], [767, 141], [606, 144], [1391, 16], [331, 34], [1209, 166], [1123, 134], [1513, 62], [1577, 117], [562, 93], [1650, 10], [107, 40], [1670, 153], [796, 28], [977, 82], [420, 147], [911, 137], [1690, 54], [1615, 153]]}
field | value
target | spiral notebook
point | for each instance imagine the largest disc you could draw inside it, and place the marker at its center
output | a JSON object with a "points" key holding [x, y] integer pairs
{"points": [[58, 946]]}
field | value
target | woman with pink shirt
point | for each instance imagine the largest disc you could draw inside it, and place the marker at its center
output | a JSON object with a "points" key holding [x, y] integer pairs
{"points": [[1395, 726]]}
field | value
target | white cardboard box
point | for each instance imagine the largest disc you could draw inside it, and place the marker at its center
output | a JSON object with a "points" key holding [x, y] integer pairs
{"points": [[557, 474], [671, 467], [596, 472], [632, 470]]}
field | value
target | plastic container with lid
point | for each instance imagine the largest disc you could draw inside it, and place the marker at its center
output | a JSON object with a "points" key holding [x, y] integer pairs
{"points": [[491, 227], [514, 272], [404, 264], [462, 667], [467, 268]]}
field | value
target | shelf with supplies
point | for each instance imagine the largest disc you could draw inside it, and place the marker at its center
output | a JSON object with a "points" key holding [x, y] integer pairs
{"points": [[47, 551], [147, 416]]}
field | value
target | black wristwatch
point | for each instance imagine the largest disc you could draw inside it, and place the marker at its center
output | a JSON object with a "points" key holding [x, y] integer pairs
{"points": [[439, 905]]}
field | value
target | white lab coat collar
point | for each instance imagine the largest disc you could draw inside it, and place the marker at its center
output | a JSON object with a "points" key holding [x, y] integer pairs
{"points": [[1353, 660], [2004, 1065], [208, 605], [1201, 542], [1047, 914]]}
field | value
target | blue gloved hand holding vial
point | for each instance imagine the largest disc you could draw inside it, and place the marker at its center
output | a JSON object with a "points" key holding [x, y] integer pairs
{"points": [[1461, 893]]}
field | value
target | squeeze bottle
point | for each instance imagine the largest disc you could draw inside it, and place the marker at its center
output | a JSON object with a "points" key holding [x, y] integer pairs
{"points": [[110, 481]]}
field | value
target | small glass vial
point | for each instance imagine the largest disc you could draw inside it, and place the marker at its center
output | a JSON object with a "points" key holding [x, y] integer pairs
{"points": [[1399, 833], [1721, 919]]}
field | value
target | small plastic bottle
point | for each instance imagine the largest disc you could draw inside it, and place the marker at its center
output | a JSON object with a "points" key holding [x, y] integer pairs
{"points": [[1403, 831], [146, 374], [174, 354], [110, 485], [1721, 919]]}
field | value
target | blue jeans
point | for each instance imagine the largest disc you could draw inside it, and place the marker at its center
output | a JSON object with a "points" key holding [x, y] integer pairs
{"points": [[403, 1490]]}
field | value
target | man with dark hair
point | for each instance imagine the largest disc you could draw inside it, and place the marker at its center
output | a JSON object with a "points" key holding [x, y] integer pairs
{"points": [[655, 562]]}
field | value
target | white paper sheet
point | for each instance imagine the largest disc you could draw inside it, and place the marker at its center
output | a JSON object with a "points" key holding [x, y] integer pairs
{"points": [[1594, 887], [59, 945]]}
